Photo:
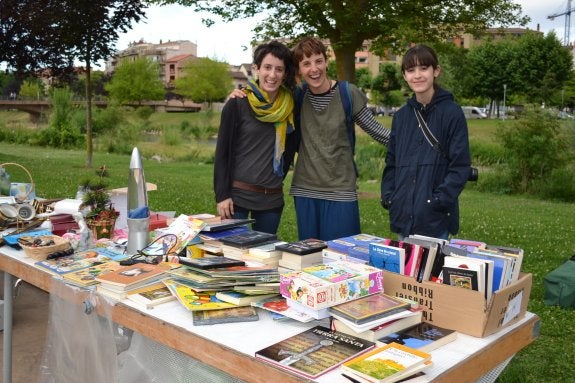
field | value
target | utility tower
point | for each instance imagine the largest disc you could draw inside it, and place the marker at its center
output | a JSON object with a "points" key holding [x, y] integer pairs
{"points": [[567, 13]]}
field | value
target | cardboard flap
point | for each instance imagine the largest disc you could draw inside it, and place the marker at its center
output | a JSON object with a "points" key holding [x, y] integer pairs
{"points": [[509, 305]]}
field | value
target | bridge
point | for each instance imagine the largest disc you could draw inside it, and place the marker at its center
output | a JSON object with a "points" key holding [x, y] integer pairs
{"points": [[36, 108]]}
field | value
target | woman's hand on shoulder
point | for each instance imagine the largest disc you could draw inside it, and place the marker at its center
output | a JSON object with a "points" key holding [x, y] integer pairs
{"points": [[237, 93]]}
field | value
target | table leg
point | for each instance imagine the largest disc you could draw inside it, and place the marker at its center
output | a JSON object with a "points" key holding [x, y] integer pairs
{"points": [[8, 301]]}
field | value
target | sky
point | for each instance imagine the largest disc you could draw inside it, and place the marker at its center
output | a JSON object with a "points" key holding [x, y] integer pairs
{"points": [[230, 42]]}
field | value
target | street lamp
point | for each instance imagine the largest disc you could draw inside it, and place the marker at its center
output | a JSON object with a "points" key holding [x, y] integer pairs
{"points": [[504, 95]]}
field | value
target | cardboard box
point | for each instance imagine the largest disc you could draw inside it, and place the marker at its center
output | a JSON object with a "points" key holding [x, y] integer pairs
{"points": [[460, 309], [327, 285]]}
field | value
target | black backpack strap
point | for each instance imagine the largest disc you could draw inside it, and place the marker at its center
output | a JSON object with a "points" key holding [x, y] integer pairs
{"points": [[427, 133]]}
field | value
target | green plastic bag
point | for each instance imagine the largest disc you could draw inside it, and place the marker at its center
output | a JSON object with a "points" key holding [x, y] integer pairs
{"points": [[560, 285]]}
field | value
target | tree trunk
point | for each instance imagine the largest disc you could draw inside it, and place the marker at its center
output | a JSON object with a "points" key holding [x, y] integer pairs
{"points": [[89, 149], [345, 61]]}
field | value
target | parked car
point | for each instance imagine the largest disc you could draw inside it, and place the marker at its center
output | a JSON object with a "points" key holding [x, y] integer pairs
{"points": [[376, 110], [473, 112]]}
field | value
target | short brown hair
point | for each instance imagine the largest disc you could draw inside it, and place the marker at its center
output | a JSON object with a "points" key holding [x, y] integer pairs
{"points": [[307, 47]]}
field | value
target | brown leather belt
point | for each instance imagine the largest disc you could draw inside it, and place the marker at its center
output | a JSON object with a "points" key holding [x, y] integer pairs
{"points": [[255, 188]]}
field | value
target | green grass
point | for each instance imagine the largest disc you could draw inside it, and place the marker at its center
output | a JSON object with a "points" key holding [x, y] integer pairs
{"points": [[543, 229]]}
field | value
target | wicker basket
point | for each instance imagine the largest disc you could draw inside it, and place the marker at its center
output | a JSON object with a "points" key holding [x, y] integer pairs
{"points": [[40, 253], [101, 228]]}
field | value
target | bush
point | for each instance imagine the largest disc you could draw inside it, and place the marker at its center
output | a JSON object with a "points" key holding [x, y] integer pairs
{"points": [[369, 158], [559, 186]]}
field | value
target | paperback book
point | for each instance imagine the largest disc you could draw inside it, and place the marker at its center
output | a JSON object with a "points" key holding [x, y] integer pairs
{"points": [[314, 352], [381, 330], [241, 299], [423, 336], [385, 257], [77, 261], [369, 308], [195, 300], [133, 276], [151, 296], [229, 315], [248, 238], [87, 276], [387, 363], [344, 244], [205, 263], [279, 305]]}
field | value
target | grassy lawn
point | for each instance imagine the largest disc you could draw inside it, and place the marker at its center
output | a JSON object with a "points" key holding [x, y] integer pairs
{"points": [[543, 229]]}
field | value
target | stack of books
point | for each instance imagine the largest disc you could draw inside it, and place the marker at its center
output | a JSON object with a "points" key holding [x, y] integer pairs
{"points": [[118, 283], [353, 248], [300, 254], [422, 336], [387, 364], [238, 245]]}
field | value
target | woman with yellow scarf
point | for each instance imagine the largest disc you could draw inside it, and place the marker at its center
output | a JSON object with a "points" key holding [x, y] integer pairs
{"points": [[250, 162]]}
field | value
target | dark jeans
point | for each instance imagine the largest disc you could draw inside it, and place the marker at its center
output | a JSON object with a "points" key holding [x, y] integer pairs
{"points": [[267, 221]]}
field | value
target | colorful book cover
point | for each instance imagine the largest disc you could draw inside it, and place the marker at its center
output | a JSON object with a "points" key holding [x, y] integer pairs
{"points": [[326, 285], [152, 295], [229, 315], [423, 336], [87, 276], [344, 244], [383, 363], [370, 308], [128, 277], [314, 352], [196, 300], [77, 261], [279, 305], [387, 257]]}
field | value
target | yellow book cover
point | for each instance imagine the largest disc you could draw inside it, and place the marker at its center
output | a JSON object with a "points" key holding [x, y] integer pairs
{"points": [[196, 300]]}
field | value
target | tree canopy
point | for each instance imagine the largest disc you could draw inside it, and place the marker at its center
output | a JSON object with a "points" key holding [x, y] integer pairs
{"points": [[390, 24], [136, 81], [205, 80]]}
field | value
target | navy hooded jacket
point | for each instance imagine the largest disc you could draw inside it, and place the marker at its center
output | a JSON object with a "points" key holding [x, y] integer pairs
{"points": [[420, 186]]}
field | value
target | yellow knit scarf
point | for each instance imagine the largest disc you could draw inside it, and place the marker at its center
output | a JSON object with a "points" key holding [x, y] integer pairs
{"points": [[280, 113]]}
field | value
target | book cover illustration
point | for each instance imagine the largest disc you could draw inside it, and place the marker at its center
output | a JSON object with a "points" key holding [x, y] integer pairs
{"points": [[279, 305], [77, 261], [387, 257], [460, 277], [344, 244], [229, 315], [303, 247], [242, 299], [423, 336], [152, 295], [184, 228], [195, 300], [128, 276], [370, 308], [87, 276], [314, 351], [385, 362]]}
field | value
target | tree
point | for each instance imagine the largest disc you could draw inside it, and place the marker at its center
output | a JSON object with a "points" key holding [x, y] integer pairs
{"points": [[31, 89], [388, 23], [387, 80], [205, 80], [136, 81], [54, 33]]}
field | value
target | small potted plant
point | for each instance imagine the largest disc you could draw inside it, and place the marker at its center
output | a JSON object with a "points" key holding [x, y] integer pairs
{"points": [[101, 215]]}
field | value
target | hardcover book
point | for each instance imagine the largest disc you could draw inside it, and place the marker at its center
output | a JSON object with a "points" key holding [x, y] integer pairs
{"points": [[227, 223], [423, 336], [385, 257], [205, 263], [326, 285], [386, 364], [314, 352], [229, 315], [303, 247], [369, 308], [248, 238], [383, 329], [151, 296]]}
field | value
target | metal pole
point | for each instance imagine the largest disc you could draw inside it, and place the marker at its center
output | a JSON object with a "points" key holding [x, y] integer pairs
{"points": [[504, 95], [7, 343]]}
